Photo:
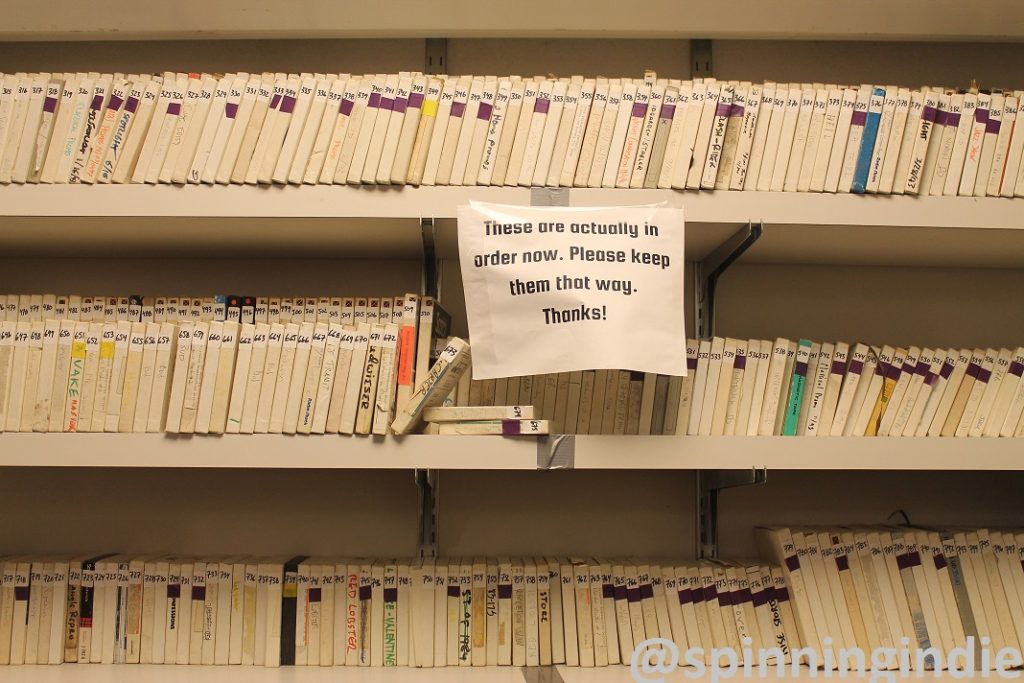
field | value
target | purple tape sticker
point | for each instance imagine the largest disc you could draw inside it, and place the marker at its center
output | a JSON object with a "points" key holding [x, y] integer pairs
{"points": [[484, 113], [416, 100], [608, 591], [21, 593], [346, 107], [131, 105], [366, 592], [759, 598], [782, 594], [174, 590], [946, 371], [800, 369], [726, 599], [838, 367], [620, 592], [984, 375], [981, 115], [275, 100], [639, 109], [505, 591], [1016, 369], [198, 592], [907, 368], [903, 561], [458, 109], [929, 379], [115, 102], [668, 111], [374, 100], [685, 596], [929, 114], [921, 369], [737, 110], [231, 110], [387, 103], [993, 126], [50, 105], [314, 595], [740, 363], [842, 563], [859, 118], [856, 366], [287, 104], [174, 108], [400, 104], [940, 561], [691, 363], [915, 559], [97, 103], [633, 595], [973, 369], [792, 563], [952, 119], [541, 106], [453, 591], [722, 109], [510, 428], [391, 594], [646, 591]]}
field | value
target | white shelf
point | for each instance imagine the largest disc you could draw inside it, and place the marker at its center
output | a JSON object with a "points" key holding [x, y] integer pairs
{"points": [[497, 453], [98, 673], [65, 220], [384, 201], [986, 20], [289, 201], [270, 451]]}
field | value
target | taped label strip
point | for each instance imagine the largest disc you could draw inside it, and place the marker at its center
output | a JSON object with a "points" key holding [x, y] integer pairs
{"points": [[549, 196], [556, 452], [541, 674]]}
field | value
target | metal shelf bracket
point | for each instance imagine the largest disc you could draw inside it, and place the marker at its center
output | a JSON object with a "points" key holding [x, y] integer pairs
{"points": [[426, 486], [710, 484], [708, 271], [431, 271]]}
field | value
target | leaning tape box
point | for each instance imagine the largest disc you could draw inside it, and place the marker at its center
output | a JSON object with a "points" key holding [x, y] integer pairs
{"points": [[557, 289]]}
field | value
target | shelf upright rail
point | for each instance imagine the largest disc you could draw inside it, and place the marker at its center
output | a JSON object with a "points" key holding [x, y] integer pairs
{"points": [[427, 479], [710, 483]]}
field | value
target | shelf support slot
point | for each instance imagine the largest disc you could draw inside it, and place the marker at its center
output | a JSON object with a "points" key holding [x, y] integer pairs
{"points": [[710, 484], [708, 271], [426, 486], [435, 59], [700, 58], [431, 271]]}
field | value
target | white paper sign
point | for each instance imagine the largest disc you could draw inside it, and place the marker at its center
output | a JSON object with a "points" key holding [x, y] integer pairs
{"points": [[554, 289]]}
